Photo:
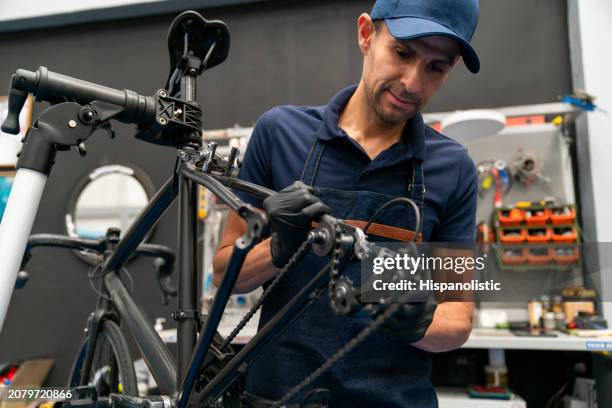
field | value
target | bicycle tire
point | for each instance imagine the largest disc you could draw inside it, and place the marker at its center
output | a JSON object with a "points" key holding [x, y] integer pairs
{"points": [[112, 368]]}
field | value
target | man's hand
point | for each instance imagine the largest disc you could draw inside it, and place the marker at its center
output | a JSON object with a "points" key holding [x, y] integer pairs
{"points": [[409, 324], [291, 212]]}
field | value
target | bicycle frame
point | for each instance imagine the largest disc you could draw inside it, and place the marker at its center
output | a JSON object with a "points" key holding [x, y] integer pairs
{"points": [[177, 378], [191, 356]]}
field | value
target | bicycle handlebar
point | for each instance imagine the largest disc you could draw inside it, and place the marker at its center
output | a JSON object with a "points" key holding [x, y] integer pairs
{"points": [[54, 88], [64, 241], [164, 267]]}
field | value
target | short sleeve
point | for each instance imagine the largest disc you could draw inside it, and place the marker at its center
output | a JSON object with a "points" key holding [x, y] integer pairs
{"points": [[459, 222], [256, 164]]}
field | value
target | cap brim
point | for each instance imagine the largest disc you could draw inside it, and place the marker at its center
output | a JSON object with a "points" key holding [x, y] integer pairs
{"points": [[406, 28]]}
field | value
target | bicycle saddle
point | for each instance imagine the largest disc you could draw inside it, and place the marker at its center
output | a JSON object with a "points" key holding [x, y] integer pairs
{"points": [[190, 34]]}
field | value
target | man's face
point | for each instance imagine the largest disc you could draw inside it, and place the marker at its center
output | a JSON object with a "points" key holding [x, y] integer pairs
{"points": [[401, 76]]}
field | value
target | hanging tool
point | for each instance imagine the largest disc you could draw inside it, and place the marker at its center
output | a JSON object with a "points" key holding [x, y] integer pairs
{"points": [[583, 100]]}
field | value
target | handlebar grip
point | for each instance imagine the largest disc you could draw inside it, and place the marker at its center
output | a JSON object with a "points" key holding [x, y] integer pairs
{"points": [[16, 100], [53, 87]]}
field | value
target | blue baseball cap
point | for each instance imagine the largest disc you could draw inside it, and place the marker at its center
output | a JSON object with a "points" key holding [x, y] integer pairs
{"points": [[407, 19]]}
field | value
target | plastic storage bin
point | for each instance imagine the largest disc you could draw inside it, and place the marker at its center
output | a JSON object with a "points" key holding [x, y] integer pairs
{"points": [[564, 234], [510, 217], [538, 235], [537, 217], [566, 255], [513, 256], [539, 256], [563, 215], [512, 236]]}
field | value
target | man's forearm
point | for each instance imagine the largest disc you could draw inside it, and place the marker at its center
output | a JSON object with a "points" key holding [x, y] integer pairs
{"points": [[257, 269], [450, 328]]}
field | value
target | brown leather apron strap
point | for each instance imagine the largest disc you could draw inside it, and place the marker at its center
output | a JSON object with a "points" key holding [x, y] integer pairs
{"points": [[384, 231]]}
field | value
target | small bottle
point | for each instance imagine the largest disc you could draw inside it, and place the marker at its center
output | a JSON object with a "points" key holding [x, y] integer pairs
{"points": [[545, 299], [496, 376], [557, 304], [549, 321], [560, 321], [535, 313]]}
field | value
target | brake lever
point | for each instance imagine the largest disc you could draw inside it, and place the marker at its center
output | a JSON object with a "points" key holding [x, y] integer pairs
{"points": [[163, 279]]}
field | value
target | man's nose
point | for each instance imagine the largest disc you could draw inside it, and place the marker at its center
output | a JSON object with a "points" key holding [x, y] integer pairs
{"points": [[412, 79]]}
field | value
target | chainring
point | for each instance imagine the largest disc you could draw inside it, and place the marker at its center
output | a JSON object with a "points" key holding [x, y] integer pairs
{"points": [[214, 362]]}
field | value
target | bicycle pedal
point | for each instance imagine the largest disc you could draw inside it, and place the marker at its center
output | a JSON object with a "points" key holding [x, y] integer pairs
{"points": [[125, 401], [85, 397]]}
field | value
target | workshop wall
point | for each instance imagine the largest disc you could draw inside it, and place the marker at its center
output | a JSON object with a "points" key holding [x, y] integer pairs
{"points": [[589, 25], [298, 52]]}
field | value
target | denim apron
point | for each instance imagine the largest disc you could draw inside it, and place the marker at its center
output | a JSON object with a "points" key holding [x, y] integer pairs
{"points": [[378, 372]]}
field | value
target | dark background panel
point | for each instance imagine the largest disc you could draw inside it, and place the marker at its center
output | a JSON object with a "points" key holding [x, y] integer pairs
{"points": [[295, 52]]}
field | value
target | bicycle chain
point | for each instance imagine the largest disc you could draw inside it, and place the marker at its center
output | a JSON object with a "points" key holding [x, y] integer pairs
{"points": [[335, 259], [294, 259]]}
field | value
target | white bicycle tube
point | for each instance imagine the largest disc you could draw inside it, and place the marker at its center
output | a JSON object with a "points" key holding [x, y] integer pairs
{"points": [[17, 222]]}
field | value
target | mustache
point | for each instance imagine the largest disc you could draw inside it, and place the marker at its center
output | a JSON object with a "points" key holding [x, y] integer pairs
{"points": [[404, 96]]}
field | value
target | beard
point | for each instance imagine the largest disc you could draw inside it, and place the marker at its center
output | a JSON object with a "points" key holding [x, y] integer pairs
{"points": [[386, 112]]}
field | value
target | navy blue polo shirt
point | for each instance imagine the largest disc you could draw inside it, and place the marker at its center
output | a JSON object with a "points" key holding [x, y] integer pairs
{"points": [[283, 136]]}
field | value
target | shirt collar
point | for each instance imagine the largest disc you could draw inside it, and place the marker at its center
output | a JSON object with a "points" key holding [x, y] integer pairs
{"points": [[413, 134]]}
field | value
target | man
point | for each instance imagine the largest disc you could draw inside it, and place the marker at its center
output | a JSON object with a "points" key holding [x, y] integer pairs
{"points": [[367, 146]]}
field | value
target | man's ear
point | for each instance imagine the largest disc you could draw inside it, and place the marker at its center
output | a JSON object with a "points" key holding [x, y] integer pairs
{"points": [[366, 31]]}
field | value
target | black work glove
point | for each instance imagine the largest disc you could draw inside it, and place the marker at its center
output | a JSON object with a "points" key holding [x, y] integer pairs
{"points": [[291, 212], [410, 322]]}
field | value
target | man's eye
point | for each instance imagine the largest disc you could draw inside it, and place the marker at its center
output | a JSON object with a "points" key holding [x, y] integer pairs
{"points": [[401, 53], [438, 68]]}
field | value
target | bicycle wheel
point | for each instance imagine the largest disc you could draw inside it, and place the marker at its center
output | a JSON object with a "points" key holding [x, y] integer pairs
{"points": [[112, 369]]}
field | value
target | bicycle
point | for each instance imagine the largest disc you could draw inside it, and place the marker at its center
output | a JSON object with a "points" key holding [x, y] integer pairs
{"points": [[207, 369]]}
